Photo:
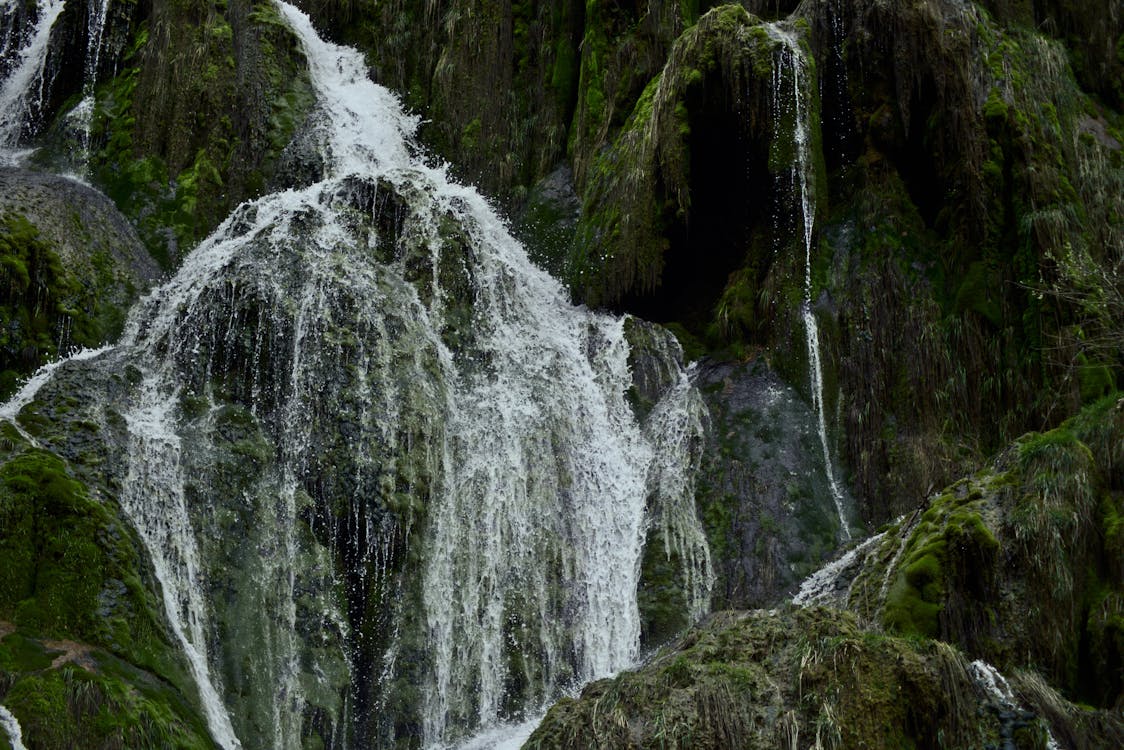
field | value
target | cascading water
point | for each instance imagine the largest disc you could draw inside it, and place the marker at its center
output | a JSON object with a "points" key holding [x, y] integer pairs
{"points": [[26, 394], [153, 497], [83, 112], [386, 474], [11, 728], [674, 428], [791, 60], [23, 91], [998, 690], [823, 588]]}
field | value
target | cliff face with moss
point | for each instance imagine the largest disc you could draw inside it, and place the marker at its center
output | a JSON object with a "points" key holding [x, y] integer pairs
{"points": [[1014, 570], [935, 188]]}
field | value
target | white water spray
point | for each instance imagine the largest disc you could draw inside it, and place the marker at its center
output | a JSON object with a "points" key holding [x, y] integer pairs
{"points": [[22, 93], [11, 727], [153, 497], [793, 58], [495, 408], [9, 410]]}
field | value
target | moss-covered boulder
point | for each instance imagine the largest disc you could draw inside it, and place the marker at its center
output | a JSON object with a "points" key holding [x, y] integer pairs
{"points": [[815, 678], [1021, 563], [85, 657], [185, 114], [974, 238], [763, 493], [67, 694], [71, 266]]}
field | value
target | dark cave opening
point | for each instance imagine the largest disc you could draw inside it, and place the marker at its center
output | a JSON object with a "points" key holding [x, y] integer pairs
{"points": [[730, 195], [917, 161]]}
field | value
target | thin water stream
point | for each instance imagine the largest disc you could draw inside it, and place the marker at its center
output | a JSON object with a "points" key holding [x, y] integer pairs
{"points": [[793, 61]]}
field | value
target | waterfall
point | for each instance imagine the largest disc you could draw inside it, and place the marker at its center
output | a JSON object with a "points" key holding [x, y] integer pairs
{"points": [[12, 729], [792, 60], [386, 474], [83, 112], [996, 687], [22, 92]]}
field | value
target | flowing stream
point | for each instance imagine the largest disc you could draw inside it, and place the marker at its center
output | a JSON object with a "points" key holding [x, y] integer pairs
{"points": [[822, 588], [793, 59]]}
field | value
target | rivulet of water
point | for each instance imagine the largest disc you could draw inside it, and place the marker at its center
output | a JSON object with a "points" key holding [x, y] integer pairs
{"points": [[12, 728], [791, 69]]}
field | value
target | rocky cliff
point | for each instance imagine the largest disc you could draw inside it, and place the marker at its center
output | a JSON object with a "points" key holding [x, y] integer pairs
{"points": [[891, 232]]}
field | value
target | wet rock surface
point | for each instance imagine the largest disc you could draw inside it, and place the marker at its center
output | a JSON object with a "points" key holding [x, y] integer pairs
{"points": [[763, 491]]}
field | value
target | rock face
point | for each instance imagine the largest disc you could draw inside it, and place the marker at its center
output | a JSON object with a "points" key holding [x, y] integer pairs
{"points": [[1017, 566], [814, 678], [763, 492], [72, 265], [949, 221]]}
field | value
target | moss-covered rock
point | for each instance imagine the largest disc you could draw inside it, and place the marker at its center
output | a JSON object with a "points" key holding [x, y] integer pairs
{"points": [[763, 494], [641, 184], [68, 695], [190, 117], [786, 678], [1018, 564], [85, 658], [71, 268]]}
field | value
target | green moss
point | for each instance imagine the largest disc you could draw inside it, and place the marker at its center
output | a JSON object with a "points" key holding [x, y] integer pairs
{"points": [[44, 305], [1097, 379], [180, 145], [660, 595], [470, 136], [72, 569], [758, 680], [19, 653], [114, 706], [950, 541], [979, 293], [913, 602]]}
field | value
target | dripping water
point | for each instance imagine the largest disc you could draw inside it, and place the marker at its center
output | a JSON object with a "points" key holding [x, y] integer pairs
{"points": [[84, 112], [792, 59]]}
